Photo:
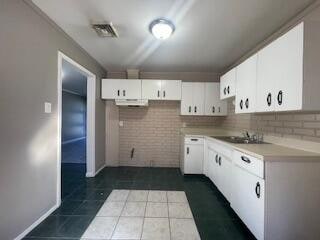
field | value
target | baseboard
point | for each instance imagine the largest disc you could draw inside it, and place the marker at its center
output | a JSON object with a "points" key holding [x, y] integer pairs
{"points": [[72, 140], [90, 174], [36, 223]]}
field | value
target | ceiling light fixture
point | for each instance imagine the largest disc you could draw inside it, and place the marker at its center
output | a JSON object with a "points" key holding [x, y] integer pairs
{"points": [[161, 28]]}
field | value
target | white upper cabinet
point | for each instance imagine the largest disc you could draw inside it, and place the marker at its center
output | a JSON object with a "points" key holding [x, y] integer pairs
{"points": [[288, 71], [187, 98], [246, 85], [290, 88], [192, 101], [280, 73], [161, 89], [228, 84], [171, 89], [121, 89], [198, 99], [213, 105]]}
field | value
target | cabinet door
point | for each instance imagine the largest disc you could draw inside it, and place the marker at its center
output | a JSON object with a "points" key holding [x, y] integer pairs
{"points": [[151, 89], [225, 177], [131, 89], [193, 163], [187, 99], [289, 89], [246, 85], [227, 88], [198, 98], [212, 165], [212, 99], [111, 89], [222, 108], [171, 89], [248, 200], [269, 70]]}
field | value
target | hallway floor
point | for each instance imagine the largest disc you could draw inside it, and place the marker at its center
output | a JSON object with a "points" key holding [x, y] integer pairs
{"points": [[84, 197]]}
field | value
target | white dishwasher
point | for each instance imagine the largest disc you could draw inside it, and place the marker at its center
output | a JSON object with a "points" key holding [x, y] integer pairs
{"points": [[192, 155]]}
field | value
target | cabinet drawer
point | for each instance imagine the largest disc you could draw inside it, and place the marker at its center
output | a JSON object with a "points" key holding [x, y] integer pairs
{"points": [[193, 140], [221, 149], [249, 163]]}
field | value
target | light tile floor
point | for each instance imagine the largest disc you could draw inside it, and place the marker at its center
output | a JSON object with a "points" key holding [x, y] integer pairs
{"points": [[147, 215]]}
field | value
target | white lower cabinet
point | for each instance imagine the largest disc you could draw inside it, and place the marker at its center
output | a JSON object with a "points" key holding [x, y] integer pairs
{"points": [[248, 200], [193, 156]]}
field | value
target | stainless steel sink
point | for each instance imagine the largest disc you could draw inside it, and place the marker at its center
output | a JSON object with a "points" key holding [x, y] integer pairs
{"points": [[239, 140]]}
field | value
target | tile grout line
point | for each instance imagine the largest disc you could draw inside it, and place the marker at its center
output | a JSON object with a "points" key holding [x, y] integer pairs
{"points": [[144, 216], [168, 215], [114, 229]]}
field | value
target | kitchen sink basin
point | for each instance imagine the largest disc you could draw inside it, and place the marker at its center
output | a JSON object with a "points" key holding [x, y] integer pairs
{"points": [[238, 140]]}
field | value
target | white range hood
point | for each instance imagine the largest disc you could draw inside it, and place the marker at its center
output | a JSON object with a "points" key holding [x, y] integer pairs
{"points": [[132, 102]]}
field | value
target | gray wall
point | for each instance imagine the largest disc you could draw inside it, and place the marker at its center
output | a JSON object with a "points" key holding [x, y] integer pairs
{"points": [[73, 116], [28, 139]]}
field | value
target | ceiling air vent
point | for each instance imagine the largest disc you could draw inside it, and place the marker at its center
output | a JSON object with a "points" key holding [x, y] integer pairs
{"points": [[105, 29]]}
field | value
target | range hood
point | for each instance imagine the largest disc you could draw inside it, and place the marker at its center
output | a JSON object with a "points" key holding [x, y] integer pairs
{"points": [[132, 102]]}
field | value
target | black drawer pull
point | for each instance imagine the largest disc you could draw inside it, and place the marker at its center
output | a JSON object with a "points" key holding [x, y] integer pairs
{"points": [[219, 161], [241, 104], [189, 109], [118, 92], [269, 99], [194, 139], [224, 91], [247, 103], [216, 158], [188, 150], [124, 93], [245, 159], [258, 190], [280, 95], [228, 89], [195, 109], [158, 93]]}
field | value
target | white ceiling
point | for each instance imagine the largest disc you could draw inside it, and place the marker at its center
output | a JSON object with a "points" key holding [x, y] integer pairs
{"points": [[73, 80], [210, 34]]}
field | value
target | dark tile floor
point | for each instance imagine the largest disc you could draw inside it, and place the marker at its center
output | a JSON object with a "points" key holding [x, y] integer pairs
{"points": [[74, 152], [82, 198]]}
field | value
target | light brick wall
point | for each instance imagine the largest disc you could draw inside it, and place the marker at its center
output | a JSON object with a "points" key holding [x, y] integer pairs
{"points": [[154, 132], [304, 126]]}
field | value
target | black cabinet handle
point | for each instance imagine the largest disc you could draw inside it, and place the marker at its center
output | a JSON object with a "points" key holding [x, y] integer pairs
{"points": [[118, 92], [247, 103], [213, 109], [225, 91], [228, 89], [124, 93], [269, 99], [280, 95], [241, 104], [219, 161], [245, 159], [258, 190], [216, 158], [219, 109], [195, 109], [189, 109], [164, 93], [158, 93], [194, 139], [188, 150]]}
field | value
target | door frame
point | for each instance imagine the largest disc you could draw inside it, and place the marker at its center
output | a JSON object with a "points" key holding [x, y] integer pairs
{"points": [[91, 109]]}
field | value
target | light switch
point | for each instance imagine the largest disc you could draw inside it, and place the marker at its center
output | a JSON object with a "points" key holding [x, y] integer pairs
{"points": [[47, 107], [121, 123]]}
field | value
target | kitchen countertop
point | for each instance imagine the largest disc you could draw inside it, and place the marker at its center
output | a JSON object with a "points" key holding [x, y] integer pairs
{"points": [[266, 152]]}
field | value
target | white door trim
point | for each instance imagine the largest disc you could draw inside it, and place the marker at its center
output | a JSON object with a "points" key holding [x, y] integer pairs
{"points": [[91, 110]]}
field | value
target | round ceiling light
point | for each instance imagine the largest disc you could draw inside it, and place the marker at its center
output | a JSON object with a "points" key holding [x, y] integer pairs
{"points": [[161, 28]]}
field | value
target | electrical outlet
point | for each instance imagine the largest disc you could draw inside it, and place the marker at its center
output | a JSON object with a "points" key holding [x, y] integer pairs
{"points": [[47, 107]]}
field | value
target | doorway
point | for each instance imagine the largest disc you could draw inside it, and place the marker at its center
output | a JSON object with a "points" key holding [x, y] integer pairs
{"points": [[76, 125]]}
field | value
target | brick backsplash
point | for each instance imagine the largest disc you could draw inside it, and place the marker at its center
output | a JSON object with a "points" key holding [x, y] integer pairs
{"points": [[154, 133], [304, 126]]}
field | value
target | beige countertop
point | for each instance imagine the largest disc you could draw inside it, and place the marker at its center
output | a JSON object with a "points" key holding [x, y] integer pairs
{"points": [[266, 152]]}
